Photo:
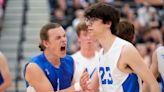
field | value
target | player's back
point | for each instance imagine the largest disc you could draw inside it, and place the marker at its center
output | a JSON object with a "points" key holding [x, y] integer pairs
{"points": [[111, 77]]}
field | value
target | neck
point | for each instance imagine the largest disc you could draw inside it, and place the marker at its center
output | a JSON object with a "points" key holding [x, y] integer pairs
{"points": [[53, 59], [88, 52], [106, 40]]}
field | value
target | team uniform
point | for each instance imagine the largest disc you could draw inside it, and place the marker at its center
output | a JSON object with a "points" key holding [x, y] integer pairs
{"points": [[84, 63], [160, 59], [110, 76], [60, 78], [1, 79]]}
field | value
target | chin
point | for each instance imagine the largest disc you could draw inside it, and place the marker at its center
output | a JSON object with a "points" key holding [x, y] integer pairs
{"points": [[63, 54]]}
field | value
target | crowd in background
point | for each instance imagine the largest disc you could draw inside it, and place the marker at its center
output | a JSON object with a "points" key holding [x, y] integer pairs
{"points": [[147, 17]]}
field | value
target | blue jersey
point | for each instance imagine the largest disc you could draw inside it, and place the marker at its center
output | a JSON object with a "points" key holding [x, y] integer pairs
{"points": [[1, 79], [61, 77]]}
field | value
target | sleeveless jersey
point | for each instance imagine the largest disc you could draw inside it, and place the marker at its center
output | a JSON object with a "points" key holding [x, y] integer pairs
{"points": [[84, 63], [111, 78], [60, 78], [160, 58]]}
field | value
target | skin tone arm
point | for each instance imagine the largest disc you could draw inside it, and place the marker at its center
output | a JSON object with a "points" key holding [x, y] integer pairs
{"points": [[37, 79], [136, 64], [5, 73], [41, 83], [153, 69]]}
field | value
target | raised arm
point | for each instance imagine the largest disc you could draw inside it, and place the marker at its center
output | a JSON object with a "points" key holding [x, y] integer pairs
{"points": [[135, 62]]}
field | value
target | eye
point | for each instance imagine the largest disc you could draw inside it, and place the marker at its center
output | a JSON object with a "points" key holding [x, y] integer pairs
{"points": [[58, 37]]}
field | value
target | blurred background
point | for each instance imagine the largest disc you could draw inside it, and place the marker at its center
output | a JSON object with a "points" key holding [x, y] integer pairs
{"points": [[21, 21]]}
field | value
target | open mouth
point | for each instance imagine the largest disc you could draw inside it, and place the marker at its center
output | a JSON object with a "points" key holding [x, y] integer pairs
{"points": [[63, 48]]}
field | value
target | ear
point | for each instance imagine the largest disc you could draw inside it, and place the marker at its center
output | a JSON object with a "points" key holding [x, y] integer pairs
{"points": [[108, 24], [45, 43]]}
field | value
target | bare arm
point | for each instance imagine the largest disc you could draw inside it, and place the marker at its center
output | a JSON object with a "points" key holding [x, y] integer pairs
{"points": [[154, 65], [5, 73], [153, 69], [135, 62], [41, 83], [36, 78]]}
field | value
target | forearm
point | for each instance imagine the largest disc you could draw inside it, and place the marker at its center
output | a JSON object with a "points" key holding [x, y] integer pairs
{"points": [[5, 85], [152, 84]]}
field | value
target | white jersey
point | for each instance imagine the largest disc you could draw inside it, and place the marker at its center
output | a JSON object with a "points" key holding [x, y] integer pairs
{"points": [[84, 63], [111, 78], [160, 59]]}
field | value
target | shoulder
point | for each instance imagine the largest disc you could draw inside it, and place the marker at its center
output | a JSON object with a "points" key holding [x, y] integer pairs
{"points": [[130, 54], [129, 49], [32, 71], [33, 68]]}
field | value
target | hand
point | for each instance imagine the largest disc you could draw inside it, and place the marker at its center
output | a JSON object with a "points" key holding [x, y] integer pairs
{"points": [[84, 80]]}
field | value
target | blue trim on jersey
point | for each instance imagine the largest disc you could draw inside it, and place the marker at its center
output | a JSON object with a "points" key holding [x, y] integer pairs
{"points": [[64, 73], [162, 83], [91, 72], [131, 83], [1, 79]]}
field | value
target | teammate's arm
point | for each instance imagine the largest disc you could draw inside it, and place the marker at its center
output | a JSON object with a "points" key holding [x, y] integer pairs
{"points": [[5, 73], [133, 60], [154, 65], [37, 79], [153, 69]]}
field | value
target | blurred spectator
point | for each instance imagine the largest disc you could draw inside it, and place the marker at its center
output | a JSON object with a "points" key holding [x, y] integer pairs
{"points": [[79, 17], [73, 44], [60, 17], [156, 35], [143, 14], [141, 47]]}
